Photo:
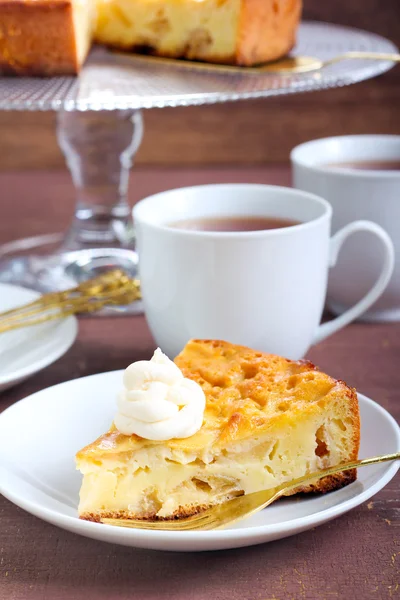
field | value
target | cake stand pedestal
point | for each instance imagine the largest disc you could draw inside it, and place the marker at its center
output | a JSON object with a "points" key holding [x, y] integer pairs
{"points": [[100, 127]]}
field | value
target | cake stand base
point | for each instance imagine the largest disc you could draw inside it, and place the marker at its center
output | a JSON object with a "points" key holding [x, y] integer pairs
{"points": [[99, 147]]}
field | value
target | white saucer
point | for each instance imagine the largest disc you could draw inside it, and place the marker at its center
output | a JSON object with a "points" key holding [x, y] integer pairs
{"points": [[26, 351], [37, 470]]}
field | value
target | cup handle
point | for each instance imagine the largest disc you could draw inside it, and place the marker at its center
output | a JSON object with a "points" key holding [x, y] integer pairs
{"points": [[327, 329]]}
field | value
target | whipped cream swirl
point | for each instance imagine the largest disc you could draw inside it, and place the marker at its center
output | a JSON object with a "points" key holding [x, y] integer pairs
{"points": [[158, 402]]}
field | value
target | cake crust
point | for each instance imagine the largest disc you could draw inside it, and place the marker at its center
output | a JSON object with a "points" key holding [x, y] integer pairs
{"points": [[37, 37], [267, 30], [44, 37]]}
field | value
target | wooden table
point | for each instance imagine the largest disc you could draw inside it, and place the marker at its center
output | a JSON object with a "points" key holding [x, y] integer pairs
{"points": [[355, 557]]}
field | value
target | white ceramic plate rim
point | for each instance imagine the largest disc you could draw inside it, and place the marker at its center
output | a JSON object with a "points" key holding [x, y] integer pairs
{"points": [[66, 333], [148, 539]]}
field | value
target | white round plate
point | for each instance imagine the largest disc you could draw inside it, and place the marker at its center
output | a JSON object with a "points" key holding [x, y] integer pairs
{"points": [[37, 470], [26, 351]]}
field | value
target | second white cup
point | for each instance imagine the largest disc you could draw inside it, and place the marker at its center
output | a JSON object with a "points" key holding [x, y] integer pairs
{"points": [[356, 194]]}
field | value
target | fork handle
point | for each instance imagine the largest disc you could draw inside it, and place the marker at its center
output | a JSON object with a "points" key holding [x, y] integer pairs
{"points": [[392, 56], [354, 464], [377, 459]]}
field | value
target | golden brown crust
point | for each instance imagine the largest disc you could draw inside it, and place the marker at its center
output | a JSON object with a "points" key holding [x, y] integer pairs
{"points": [[354, 411], [267, 30], [182, 513], [37, 37], [329, 484]]}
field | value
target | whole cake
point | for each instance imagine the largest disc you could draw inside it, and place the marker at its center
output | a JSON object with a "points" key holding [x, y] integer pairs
{"points": [[267, 420], [50, 37]]}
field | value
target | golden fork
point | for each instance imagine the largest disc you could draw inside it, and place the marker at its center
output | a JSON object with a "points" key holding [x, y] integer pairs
{"points": [[110, 288], [305, 64], [285, 66], [242, 507]]}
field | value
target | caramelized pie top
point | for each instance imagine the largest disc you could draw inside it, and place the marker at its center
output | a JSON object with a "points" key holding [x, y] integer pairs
{"points": [[247, 393]]}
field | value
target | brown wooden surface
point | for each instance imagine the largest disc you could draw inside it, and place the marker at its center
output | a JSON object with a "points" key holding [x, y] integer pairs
{"points": [[355, 557], [245, 132]]}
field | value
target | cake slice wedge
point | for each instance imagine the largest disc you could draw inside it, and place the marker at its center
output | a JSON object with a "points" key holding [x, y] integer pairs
{"points": [[267, 420]]}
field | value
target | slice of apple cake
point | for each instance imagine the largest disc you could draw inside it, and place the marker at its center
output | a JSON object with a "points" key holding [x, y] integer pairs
{"points": [[267, 420]]}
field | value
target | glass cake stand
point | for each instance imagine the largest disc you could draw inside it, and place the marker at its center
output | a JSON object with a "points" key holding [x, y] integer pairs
{"points": [[100, 127]]}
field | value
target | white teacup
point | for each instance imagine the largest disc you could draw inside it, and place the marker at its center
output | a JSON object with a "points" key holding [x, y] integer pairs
{"points": [[263, 289], [355, 194]]}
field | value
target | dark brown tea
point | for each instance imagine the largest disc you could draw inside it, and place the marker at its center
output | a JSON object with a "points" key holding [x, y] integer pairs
{"points": [[225, 224], [368, 165]]}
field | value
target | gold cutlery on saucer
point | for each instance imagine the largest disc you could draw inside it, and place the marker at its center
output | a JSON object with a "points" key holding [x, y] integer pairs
{"points": [[110, 288], [241, 507], [289, 65]]}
